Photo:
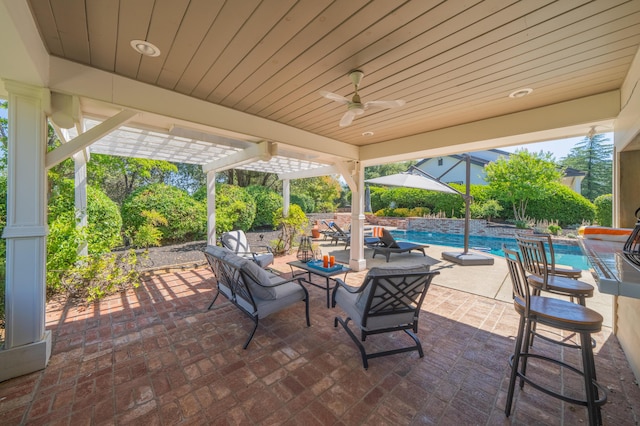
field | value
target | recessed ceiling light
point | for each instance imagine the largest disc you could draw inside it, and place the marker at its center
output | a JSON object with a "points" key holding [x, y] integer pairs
{"points": [[367, 134], [520, 93], [145, 48]]}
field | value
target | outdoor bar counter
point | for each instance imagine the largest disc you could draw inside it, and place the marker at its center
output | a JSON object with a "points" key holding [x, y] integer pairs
{"points": [[616, 275], [613, 272]]}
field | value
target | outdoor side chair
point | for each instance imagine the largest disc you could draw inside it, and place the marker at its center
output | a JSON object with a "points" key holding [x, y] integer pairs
{"points": [[388, 300], [237, 242]]}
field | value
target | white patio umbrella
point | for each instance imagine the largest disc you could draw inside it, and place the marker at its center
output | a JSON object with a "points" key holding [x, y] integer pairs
{"points": [[416, 178], [410, 180]]}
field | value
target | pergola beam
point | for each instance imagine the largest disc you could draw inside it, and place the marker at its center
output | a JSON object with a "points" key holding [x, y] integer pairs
{"points": [[309, 173], [82, 141], [262, 151]]}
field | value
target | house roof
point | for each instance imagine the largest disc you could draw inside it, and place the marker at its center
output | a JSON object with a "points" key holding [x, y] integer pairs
{"points": [[253, 70], [479, 158]]}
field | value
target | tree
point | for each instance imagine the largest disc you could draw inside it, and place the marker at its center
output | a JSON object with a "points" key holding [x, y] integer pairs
{"points": [[593, 156], [119, 177], [323, 190], [523, 177]]}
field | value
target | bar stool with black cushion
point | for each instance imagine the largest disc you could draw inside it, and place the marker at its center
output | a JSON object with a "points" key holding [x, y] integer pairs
{"points": [[559, 314], [534, 261]]}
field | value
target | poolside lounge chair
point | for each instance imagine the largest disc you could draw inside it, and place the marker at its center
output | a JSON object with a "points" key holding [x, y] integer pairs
{"points": [[340, 235], [370, 241], [237, 242], [329, 231], [389, 245]]}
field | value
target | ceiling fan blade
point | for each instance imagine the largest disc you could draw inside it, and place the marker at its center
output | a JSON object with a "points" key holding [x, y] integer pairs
{"points": [[384, 104], [347, 118], [334, 97]]}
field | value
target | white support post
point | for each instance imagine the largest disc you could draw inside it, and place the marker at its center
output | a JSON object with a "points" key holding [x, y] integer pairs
{"points": [[28, 344], [286, 197], [357, 261], [211, 207], [80, 186]]}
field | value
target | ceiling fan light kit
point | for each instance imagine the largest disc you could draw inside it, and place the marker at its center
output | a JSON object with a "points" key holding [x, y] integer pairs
{"points": [[355, 106]]}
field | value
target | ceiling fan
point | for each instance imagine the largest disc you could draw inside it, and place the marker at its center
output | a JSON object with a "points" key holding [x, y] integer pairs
{"points": [[355, 106]]}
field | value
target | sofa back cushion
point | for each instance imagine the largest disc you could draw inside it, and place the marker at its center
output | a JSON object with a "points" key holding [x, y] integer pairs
{"points": [[254, 276]]}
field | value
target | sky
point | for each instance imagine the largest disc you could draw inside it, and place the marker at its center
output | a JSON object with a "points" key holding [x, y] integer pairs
{"points": [[559, 148]]}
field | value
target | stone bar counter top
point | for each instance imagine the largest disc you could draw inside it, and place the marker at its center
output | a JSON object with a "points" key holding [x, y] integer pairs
{"points": [[614, 273]]}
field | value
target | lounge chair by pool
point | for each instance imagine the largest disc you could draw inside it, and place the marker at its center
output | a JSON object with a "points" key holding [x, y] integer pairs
{"points": [[389, 245]]}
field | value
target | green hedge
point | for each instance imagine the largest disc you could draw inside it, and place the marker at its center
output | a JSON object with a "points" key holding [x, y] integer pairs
{"points": [[267, 201], [604, 209], [235, 208], [104, 221], [564, 205], [186, 217]]}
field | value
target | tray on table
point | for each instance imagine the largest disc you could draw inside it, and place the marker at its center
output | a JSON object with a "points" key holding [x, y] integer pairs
{"points": [[317, 264]]}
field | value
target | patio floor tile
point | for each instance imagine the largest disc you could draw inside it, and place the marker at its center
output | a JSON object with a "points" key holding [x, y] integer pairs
{"points": [[156, 355]]}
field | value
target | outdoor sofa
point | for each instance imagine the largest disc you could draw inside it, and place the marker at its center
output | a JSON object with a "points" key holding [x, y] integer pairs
{"points": [[255, 291]]}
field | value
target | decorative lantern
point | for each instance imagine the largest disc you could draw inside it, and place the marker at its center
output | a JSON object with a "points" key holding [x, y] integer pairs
{"points": [[305, 250]]}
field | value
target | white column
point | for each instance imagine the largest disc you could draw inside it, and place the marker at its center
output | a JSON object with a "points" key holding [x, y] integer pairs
{"points": [[28, 344], [286, 197], [80, 186], [357, 261], [211, 207]]}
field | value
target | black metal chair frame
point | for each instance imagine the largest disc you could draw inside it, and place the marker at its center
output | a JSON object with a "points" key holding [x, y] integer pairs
{"points": [[558, 314], [388, 295], [235, 280], [535, 263]]}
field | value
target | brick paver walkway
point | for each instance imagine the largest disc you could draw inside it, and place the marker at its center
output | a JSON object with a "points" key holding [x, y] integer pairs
{"points": [[155, 355]]}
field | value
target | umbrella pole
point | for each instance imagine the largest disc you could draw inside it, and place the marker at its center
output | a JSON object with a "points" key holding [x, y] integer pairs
{"points": [[467, 204]]}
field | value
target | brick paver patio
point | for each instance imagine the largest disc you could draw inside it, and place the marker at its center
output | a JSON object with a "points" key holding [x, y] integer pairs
{"points": [[155, 355]]}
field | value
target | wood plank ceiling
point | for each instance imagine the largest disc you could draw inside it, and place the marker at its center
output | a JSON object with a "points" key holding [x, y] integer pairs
{"points": [[452, 61]]}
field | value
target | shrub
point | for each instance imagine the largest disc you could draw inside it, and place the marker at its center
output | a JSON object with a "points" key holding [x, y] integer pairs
{"points": [[235, 208], [267, 201], [104, 224], [186, 217], [604, 209], [305, 202], [485, 209], [96, 276], [290, 227], [563, 205]]}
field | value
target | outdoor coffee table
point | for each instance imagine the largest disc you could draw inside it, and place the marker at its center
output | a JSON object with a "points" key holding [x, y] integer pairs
{"points": [[321, 272]]}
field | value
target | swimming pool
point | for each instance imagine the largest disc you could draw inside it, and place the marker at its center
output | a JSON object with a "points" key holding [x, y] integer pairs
{"points": [[566, 254]]}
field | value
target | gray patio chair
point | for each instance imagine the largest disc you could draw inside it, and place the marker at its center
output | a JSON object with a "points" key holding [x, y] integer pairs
{"points": [[237, 242], [388, 300]]}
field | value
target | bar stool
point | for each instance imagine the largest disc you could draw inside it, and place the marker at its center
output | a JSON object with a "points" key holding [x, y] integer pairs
{"points": [[534, 261], [558, 314], [561, 270]]}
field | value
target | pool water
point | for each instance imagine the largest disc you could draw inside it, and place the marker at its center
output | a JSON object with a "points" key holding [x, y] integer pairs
{"points": [[566, 254]]}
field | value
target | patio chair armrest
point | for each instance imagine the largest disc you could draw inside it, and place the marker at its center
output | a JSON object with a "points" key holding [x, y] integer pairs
{"points": [[347, 287], [267, 249]]}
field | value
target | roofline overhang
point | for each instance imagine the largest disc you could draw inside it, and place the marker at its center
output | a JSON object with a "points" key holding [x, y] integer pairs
{"points": [[562, 120], [86, 82]]}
